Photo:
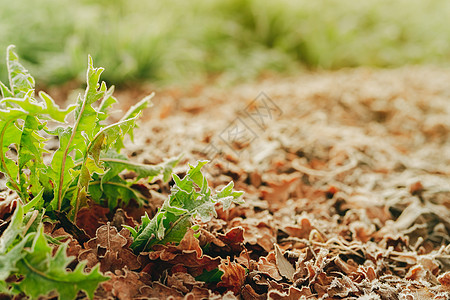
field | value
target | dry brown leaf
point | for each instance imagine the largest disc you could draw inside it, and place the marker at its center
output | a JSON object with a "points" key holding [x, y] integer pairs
{"points": [[256, 232], [267, 265], [121, 218], [124, 285], [280, 191], [198, 293], [301, 231], [183, 282], [248, 293], [444, 280], [284, 266], [8, 202], [341, 287], [73, 248], [188, 254], [159, 291], [91, 218], [109, 247], [233, 277], [292, 294]]}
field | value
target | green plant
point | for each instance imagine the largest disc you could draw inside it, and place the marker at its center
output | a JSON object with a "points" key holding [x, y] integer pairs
{"points": [[86, 164], [28, 266], [190, 197], [87, 161]]}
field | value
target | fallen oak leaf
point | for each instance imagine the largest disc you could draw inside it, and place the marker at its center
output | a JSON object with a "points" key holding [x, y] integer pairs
{"points": [[109, 248], [278, 192], [257, 232], [301, 231]]}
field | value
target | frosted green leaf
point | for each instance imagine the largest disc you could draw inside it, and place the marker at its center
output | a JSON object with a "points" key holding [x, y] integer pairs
{"points": [[20, 80], [190, 197], [44, 273]]}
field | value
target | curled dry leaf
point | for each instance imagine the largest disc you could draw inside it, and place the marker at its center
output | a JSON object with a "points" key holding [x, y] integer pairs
{"points": [[183, 282], [124, 285], [160, 291], [257, 232], [233, 276], [110, 248], [188, 253], [293, 293], [248, 293], [228, 242]]}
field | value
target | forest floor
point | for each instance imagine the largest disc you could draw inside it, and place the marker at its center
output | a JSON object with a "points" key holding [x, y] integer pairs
{"points": [[346, 177], [348, 172]]}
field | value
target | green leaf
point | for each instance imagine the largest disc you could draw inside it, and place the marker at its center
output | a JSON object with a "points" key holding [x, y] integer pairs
{"points": [[107, 101], [190, 197], [61, 164], [35, 203], [31, 150], [116, 163], [138, 107], [11, 253], [19, 78], [44, 273], [114, 191], [228, 196], [5, 91], [162, 229], [115, 133], [9, 135], [8, 261], [13, 230], [53, 110], [212, 276]]}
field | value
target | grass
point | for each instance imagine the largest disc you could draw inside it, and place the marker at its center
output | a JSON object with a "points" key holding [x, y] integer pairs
{"points": [[176, 40]]}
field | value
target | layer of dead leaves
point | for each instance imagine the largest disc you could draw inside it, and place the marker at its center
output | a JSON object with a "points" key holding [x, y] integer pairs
{"points": [[347, 187]]}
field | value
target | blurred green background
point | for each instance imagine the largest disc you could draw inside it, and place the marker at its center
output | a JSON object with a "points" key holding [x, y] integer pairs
{"points": [[173, 40]]}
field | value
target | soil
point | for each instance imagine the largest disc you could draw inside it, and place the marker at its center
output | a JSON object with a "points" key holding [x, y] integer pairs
{"points": [[347, 187]]}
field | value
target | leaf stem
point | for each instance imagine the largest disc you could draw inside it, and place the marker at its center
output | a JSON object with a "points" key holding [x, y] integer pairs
{"points": [[66, 151]]}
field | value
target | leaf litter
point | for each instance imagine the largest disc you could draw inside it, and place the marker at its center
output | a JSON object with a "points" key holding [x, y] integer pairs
{"points": [[346, 193]]}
